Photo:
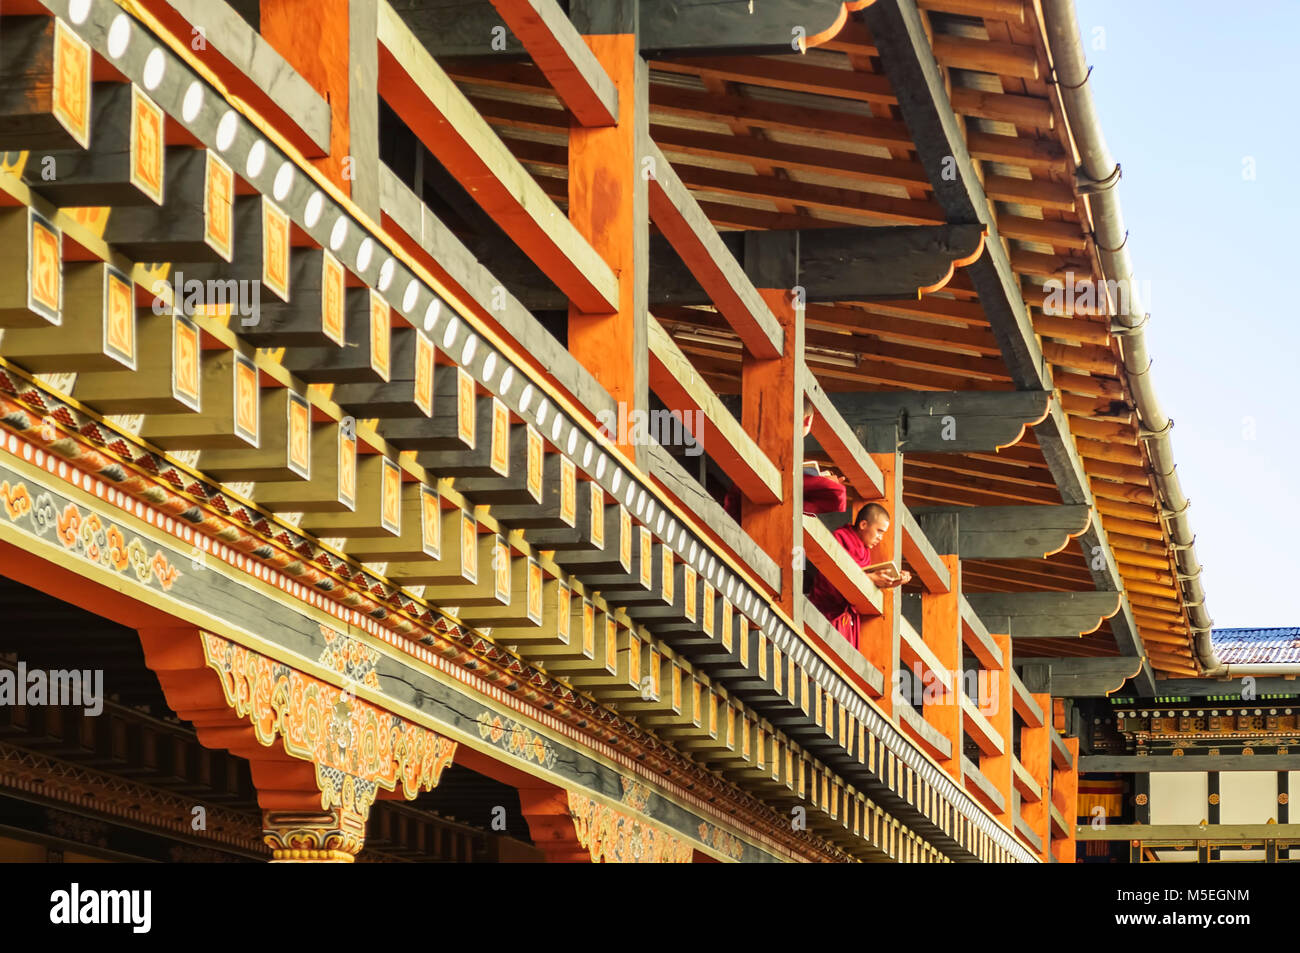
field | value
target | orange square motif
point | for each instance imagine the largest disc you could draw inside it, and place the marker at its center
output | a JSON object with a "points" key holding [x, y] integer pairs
{"points": [[275, 250], [331, 298], [656, 672], [119, 318], [299, 426], [390, 495], [647, 558], [707, 621], [534, 591], [726, 624], [568, 491], [625, 537], [246, 401], [381, 331], [348, 469], [45, 279], [218, 205], [71, 105], [185, 362], [744, 639], [534, 464], [688, 580], [668, 574], [588, 628], [633, 659], [597, 515], [465, 408], [611, 645], [146, 145], [697, 702], [430, 522], [500, 438], [424, 374], [469, 547], [501, 566], [564, 601]]}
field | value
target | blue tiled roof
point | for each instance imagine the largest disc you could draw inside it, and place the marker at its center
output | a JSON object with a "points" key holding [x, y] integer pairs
{"points": [[1240, 646]]}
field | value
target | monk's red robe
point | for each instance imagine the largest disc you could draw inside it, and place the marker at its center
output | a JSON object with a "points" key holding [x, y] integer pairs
{"points": [[827, 598], [821, 494]]}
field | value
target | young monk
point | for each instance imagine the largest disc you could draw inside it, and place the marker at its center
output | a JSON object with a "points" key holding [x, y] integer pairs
{"points": [[821, 494], [858, 538]]}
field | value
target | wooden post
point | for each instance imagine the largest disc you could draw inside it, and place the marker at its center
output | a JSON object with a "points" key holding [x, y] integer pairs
{"points": [[941, 631], [608, 205], [880, 634], [1065, 795], [771, 411], [1036, 756], [997, 768]]}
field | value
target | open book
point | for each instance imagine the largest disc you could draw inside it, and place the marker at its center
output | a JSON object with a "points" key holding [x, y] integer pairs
{"points": [[812, 467], [888, 567]]}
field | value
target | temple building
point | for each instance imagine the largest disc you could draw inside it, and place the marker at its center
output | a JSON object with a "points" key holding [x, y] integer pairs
{"points": [[402, 452]]}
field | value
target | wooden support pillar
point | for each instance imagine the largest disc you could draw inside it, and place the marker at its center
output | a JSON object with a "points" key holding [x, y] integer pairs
{"points": [[1036, 756], [941, 631], [997, 768], [880, 634], [1065, 795], [608, 205], [771, 411]]}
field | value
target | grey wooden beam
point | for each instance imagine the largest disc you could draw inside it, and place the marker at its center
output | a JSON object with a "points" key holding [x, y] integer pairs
{"points": [[1043, 615], [945, 421], [1014, 532], [908, 59], [1129, 764], [898, 261], [1024, 703], [669, 474], [667, 27], [459, 266], [306, 114], [921, 556], [679, 217], [174, 231], [1215, 687], [98, 176], [976, 779], [1191, 833], [1088, 677], [841, 444], [856, 661], [1060, 753], [363, 103], [560, 53], [976, 636]]}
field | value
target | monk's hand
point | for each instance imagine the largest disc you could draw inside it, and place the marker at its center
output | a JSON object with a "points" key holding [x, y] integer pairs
{"points": [[905, 578]]}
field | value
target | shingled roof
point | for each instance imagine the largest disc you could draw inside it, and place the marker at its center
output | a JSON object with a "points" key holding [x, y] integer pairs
{"points": [[1242, 646]]}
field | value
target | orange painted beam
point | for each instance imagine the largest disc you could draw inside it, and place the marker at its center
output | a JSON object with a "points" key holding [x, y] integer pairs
{"points": [[1036, 756], [680, 219], [998, 709], [771, 410], [556, 47], [1065, 795], [941, 631], [602, 186], [879, 640]]}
